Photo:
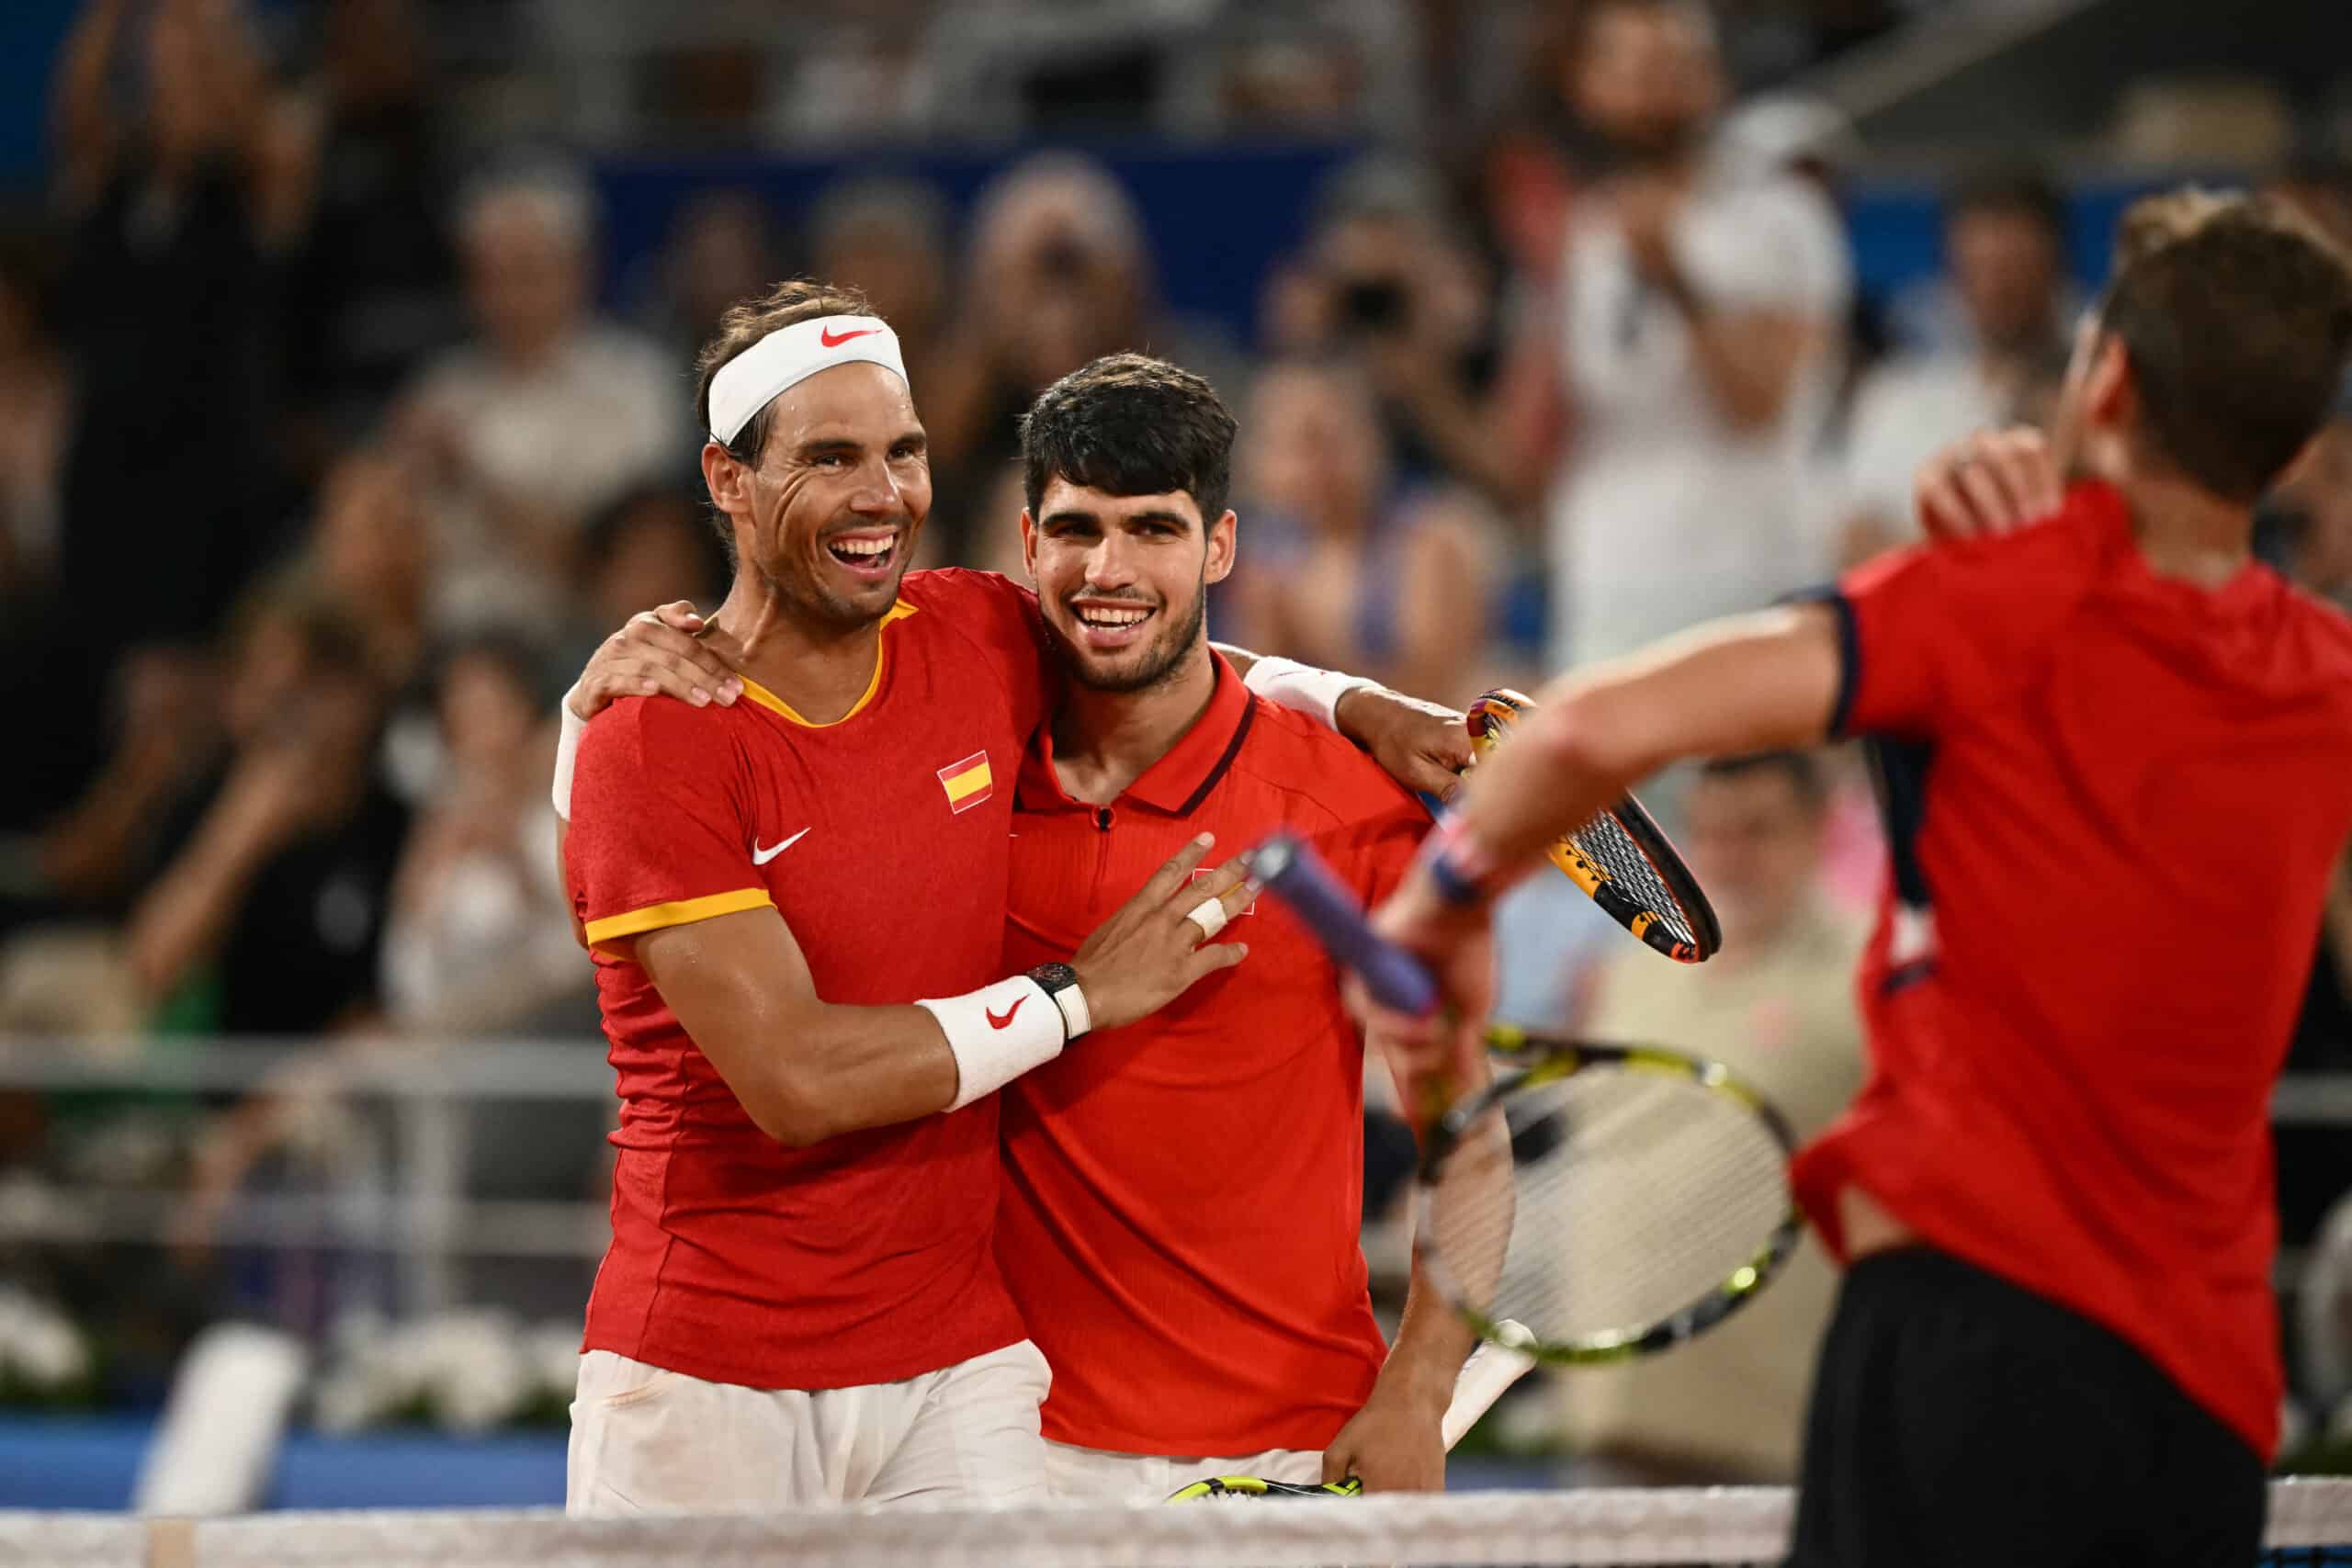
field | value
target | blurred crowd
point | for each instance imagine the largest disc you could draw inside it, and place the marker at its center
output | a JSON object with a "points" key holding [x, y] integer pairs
{"points": [[327, 457]]}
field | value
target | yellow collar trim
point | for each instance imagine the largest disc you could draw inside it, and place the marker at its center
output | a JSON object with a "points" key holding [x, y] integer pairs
{"points": [[774, 703]]}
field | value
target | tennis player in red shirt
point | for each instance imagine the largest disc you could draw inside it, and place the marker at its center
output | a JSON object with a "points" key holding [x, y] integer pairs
{"points": [[800, 1301], [2115, 751], [1182, 1203]]}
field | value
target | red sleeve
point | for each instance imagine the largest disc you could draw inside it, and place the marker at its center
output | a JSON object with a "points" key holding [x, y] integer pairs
{"points": [[1387, 847], [1939, 630], [660, 832], [999, 618], [1372, 852], [1374, 846]]}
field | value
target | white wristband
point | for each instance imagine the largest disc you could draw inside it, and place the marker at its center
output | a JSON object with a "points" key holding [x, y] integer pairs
{"points": [[567, 752], [1304, 687], [997, 1033]]}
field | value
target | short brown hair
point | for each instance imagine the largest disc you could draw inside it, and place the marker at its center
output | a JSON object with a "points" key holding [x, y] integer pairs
{"points": [[745, 324], [2235, 315]]}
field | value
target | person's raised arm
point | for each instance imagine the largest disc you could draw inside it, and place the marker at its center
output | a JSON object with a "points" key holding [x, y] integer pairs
{"points": [[1906, 645], [1753, 682]]}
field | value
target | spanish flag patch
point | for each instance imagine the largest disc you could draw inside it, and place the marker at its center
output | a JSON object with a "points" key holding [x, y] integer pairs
{"points": [[967, 783]]}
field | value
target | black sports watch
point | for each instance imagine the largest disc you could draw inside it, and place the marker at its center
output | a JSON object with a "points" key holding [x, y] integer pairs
{"points": [[1059, 981]]}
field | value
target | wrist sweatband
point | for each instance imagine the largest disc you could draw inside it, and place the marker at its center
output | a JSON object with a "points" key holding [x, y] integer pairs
{"points": [[1303, 687], [997, 1033], [567, 752]]}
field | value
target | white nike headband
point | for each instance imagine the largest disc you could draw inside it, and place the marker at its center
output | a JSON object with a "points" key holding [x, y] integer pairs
{"points": [[788, 356]]}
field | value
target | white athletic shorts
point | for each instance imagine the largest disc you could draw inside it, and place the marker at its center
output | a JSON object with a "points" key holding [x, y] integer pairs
{"points": [[1098, 1476], [648, 1440]]}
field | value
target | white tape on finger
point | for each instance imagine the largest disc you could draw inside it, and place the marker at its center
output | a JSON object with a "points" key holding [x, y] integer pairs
{"points": [[1209, 915]]}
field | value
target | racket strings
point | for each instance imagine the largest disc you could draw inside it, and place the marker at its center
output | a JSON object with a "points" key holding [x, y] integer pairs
{"points": [[1630, 882], [1635, 1195], [1605, 842]]}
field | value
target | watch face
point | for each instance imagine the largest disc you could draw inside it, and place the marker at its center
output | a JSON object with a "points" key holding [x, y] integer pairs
{"points": [[1054, 976]]}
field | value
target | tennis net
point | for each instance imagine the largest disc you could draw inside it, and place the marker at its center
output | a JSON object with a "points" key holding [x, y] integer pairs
{"points": [[2311, 1526]]}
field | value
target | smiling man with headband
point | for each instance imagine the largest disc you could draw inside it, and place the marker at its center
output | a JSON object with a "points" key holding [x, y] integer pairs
{"points": [[800, 1301], [789, 356]]}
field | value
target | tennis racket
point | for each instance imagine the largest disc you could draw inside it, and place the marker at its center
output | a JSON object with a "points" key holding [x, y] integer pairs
{"points": [[1258, 1489], [1491, 1368], [1622, 859], [1596, 1201]]}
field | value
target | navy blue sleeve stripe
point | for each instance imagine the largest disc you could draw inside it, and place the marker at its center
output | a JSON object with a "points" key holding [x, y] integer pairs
{"points": [[1849, 652], [1899, 774]]}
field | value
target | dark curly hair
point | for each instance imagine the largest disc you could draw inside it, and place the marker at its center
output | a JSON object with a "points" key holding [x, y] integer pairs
{"points": [[1130, 424]]}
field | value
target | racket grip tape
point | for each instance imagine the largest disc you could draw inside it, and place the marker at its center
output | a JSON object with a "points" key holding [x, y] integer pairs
{"points": [[1483, 1380], [1295, 873]]}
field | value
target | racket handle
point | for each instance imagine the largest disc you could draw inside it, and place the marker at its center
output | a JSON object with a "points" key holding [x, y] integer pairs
{"points": [[1490, 1370], [1298, 876]]}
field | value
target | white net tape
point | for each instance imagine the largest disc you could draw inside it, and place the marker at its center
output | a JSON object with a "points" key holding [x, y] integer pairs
{"points": [[72, 1541], [1596, 1527]]}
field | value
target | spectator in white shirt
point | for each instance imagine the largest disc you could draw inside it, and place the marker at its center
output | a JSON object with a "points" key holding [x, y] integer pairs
{"points": [[2005, 244], [548, 417], [1693, 348]]}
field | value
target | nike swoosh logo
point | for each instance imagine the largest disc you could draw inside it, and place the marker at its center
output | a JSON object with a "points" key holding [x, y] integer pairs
{"points": [[762, 856], [830, 341], [999, 1021]]}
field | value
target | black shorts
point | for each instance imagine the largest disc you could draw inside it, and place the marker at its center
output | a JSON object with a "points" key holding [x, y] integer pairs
{"points": [[1959, 1421]]}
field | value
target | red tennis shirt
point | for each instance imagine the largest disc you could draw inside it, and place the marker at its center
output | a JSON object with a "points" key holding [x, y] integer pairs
{"points": [[881, 842], [2114, 801], [1184, 1195]]}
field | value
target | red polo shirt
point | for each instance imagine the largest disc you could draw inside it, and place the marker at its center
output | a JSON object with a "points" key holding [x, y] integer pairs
{"points": [[1179, 1223], [2114, 802], [879, 840]]}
